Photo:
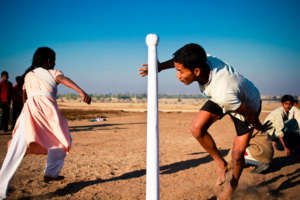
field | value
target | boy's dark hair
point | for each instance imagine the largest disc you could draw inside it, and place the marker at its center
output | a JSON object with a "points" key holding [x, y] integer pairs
{"points": [[287, 97], [19, 80], [191, 56], [4, 73], [40, 58]]}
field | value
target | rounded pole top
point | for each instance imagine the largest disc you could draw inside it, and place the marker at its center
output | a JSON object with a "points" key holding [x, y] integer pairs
{"points": [[152, 39]]}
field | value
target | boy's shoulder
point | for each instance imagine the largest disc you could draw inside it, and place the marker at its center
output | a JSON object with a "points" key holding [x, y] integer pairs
{"points": [[295, 111], [214, 61], [216, 64], [3, 83], [277, 111]]}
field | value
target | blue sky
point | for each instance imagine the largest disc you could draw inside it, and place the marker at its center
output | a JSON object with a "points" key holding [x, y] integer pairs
{"points": [[100, 44]]}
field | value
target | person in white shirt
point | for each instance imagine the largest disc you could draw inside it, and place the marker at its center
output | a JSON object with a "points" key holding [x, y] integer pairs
{"points": [[228, 93], [285, 125]]}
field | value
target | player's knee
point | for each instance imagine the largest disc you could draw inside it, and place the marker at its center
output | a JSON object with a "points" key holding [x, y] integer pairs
{"points": [[197, 131]]}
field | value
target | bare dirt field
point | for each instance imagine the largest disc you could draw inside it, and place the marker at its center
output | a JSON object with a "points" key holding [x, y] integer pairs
{"points": [[108, 159]]}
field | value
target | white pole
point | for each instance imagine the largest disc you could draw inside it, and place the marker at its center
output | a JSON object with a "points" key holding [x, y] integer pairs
{"points": [[152, 172]]}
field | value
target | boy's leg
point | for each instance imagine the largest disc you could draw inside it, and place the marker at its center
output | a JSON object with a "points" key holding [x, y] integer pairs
{"points": [[13, 120], [55, 162], [6, 112], [200, 125], [5, 116], [13, 158], [237, 162]]}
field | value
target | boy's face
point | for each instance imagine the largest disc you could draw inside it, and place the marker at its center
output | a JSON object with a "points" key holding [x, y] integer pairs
{"points": [[185, 75], [287, 105], [4, 77]]}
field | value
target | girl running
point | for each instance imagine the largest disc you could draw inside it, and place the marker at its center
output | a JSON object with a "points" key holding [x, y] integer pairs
{"points": [[40, 128]]}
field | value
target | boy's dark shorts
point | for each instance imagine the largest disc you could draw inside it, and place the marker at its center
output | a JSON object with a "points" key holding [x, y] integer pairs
{"points": [[241, 127]]}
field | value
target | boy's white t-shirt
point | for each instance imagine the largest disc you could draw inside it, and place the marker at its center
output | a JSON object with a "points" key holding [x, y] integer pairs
{"points": [[229, 89]]}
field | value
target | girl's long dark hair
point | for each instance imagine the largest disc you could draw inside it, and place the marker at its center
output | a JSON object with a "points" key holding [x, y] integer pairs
{"points": [[40, 58]]}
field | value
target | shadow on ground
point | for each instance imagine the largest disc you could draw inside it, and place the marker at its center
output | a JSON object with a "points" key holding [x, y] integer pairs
{"points": [[100, 126], [74, 187], [280, 162], [288, 183]]}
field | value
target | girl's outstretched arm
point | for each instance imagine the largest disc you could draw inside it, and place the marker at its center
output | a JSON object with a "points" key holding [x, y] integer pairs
{"points": [[70, 84]]}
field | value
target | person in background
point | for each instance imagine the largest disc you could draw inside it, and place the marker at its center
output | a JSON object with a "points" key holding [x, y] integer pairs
{"points": [[285, 129], [259, 153], [17, 100], [6, 91]]}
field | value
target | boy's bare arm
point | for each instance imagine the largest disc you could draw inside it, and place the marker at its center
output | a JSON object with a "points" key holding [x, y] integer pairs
{"points": [[161, 66], [287, 150], [252, 117], [166, 65], [70, 84]]}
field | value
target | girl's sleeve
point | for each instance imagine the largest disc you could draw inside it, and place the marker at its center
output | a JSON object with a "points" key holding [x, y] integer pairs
{"points": [[56, 73]]}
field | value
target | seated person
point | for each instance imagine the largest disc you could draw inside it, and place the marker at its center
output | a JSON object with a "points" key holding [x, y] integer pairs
{"points": [[259, 152], [285, 121]]}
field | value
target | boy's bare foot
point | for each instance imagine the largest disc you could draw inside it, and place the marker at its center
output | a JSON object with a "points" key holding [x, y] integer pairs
{"points": [[223, 172], [228, 190], [226, 193]]}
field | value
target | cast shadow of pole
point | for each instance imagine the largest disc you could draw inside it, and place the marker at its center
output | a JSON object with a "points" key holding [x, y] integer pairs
{"points": [[74, 187]]}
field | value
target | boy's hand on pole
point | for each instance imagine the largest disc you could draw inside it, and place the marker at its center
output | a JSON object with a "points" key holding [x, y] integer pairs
{"points": [[143, 70]]}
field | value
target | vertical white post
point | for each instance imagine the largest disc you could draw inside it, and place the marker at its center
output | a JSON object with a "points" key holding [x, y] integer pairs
{"points": [[152, 172]]}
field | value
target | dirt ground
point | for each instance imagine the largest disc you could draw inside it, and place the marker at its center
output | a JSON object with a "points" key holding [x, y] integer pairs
{"points": [[108, 159]]}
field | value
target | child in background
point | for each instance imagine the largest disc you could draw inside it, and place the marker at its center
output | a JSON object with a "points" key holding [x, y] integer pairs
{"points": [[40, 128], [285, 129], [6, 91], [17, 100], [228, 93]]}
